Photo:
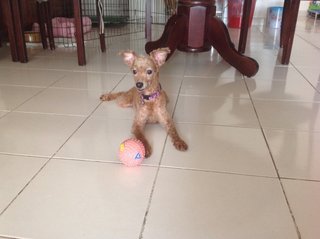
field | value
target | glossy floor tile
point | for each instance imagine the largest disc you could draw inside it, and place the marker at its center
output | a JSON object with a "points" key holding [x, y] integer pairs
{"points": [[302, 195], [290, 90], [30, 77], [223, 149], [3, 112], [99, 139], [15, 174], [251, 170], [230, 206], [13, 96], [296, 153], [215, 110], [89, 81], [308, 58], [277, 72], [312, 75], [209, 64], [81, 200], [35, 134], [63, 101], [289, 115], [222, 87]]}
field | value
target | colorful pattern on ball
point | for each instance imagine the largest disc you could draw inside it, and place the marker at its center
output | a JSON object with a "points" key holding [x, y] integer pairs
{"points": [[131, 152]]}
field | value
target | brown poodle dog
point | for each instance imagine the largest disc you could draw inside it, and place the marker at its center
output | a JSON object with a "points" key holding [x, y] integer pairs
{"points": [[147, 97]]}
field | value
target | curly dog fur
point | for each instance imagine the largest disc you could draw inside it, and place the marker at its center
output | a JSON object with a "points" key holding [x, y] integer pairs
{"points": [[147, 97]]}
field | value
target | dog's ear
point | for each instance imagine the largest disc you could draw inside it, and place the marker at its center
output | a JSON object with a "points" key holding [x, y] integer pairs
{"points": [[128, 57], [160, 55]]}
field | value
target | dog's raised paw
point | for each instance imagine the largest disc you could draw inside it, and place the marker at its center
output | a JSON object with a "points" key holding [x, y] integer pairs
{"points": [[105, 97], [180, 145]]}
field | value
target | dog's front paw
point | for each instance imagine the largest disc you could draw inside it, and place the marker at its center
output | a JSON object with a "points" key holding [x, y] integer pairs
{"points": [[105, 97], [180, 145], [148, 150]]}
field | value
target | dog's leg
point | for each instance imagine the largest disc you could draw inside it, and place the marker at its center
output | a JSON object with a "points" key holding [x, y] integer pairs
{"points": [[167, 123], [124, 99], [137, 130], [110, 96]]}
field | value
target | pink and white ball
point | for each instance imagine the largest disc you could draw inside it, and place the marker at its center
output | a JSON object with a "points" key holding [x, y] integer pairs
{"points": [[131, 152]]}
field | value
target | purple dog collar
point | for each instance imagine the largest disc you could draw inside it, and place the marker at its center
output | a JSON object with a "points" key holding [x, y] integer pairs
{"points": [[152, 96]]}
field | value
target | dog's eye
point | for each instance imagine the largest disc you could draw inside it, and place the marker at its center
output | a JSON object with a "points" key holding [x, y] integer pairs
{"points": [[134, 72], [149, 72]]}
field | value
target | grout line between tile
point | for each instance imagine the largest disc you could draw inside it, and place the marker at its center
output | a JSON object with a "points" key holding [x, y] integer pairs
{"points": [[318, 91], [218, 125], [10, 237], [36, 94], [50, 158], [149, 203], [158, 169], [275, 167], [25, 155], [25, 186], [217, 172], [310, 43], [301, 179], [167, 167]]}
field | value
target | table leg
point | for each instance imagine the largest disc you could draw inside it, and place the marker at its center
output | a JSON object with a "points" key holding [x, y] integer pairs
{"points": [[171, 36], [220, 40]]}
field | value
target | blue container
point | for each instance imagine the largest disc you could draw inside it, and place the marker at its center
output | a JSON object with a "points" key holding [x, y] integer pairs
{"points": [[274, 17]]}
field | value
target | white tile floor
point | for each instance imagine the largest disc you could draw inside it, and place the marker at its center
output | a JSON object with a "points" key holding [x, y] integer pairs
{"points": [[252, 169]]}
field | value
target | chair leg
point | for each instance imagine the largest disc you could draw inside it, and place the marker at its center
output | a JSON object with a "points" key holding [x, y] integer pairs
{"points": [[17, 20], [42, 26], [285, 22], [79, 32], [48, 21], [99, 7], [288, 40], [7, 12], [244, 25]]}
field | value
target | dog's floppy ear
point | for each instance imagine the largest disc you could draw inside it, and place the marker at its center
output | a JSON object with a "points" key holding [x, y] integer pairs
{"points": [[128, 57], [160, 55]]}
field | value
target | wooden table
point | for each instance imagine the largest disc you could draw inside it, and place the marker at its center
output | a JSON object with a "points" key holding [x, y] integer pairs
{"points": [[195, 28]]}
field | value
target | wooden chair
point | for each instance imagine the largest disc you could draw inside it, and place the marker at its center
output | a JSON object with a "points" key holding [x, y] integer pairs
{"points": [[12, 21], [288, 26], [45, 24]]}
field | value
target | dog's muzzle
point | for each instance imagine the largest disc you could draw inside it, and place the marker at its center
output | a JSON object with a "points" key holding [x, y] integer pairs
{"points": [[140, 85]]}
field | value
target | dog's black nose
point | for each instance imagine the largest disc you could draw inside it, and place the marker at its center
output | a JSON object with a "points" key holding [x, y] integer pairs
{"points": [[139, 85]]}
